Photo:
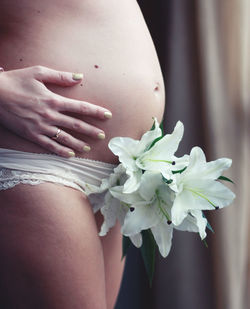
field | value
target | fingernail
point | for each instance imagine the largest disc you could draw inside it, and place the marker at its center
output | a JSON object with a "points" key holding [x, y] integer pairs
{"points": [[101, 135], [77, 76], [86, 148], [71, 154], [108, 115]]}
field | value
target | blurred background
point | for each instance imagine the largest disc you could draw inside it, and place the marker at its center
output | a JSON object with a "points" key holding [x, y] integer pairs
{"points": [[204, 50]]}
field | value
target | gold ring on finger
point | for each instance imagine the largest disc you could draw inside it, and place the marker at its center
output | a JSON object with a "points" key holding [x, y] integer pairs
{"points": [[55, 137]]}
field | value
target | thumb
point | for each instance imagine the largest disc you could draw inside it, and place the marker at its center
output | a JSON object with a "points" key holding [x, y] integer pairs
{"points": [[47, 75]]}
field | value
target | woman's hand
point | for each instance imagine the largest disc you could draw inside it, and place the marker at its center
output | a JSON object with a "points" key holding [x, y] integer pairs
{"points": [[32, 111]]}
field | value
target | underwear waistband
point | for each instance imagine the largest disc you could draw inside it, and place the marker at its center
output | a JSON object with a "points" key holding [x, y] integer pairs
{"points": [[89, 171]]}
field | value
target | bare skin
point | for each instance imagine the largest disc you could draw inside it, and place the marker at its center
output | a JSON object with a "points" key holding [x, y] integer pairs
{"points": [[51, 255], [127, 81], [32, 111], [109, 43]]}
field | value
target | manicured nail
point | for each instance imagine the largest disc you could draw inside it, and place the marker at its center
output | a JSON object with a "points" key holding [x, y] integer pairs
{"points": [[108, 115], [71, 154], [77, 76], [86, 148], [101, 135]]}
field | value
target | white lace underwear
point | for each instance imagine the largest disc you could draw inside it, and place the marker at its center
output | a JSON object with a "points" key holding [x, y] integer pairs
{"points": [[18, 167]]}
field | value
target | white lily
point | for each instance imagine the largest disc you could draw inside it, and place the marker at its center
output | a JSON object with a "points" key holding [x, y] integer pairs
{"points": [[128, 150], [197, 187], [150, 208], [96, 195], [194, 222], [161, 156], [112, 209]]}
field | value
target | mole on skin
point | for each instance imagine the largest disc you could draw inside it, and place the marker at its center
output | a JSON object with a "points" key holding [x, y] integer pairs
{"points": [[157, 87]]}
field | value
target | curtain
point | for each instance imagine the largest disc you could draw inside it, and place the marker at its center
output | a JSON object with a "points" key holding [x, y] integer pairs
{"points": [[225, 48]]}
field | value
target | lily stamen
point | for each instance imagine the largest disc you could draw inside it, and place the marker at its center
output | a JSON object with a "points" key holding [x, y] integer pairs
{"points": [[125, 204], [165, 161]]}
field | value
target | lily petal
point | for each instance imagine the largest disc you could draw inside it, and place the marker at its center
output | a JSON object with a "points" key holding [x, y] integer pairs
{"points": [[180, 163], [214, 169], [118, 176], [203, 195], [130, 198], [136, 240], [199, 168], [197, 162], [148, 137], [133, 182], [142, 218], [216, 193], [201, 222], [194, 223], [158, 156], [163, 236], [182, 204], [126, 149], [111, 211], [150, 181]]}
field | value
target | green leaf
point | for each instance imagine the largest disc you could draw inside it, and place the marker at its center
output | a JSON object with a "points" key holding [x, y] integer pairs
{"points": [[126, 243], [153, 127], [208, 224], [148, 253], [167, 181], [162, 129], [154, 142], [226, 179], [210, 227], [179, 171], [205, 243], [158, 138]]}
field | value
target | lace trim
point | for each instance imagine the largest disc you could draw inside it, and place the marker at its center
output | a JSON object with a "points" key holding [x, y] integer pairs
{"points": [[11, 178]]}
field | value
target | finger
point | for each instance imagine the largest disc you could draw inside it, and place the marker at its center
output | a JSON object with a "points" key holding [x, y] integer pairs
{"points": [[78, 126], [47, 75], [66, 139], [51, 145], [82, 107]]}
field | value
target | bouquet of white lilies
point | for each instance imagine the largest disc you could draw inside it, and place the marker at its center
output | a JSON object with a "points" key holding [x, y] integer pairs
{"points": [[152, 192]]}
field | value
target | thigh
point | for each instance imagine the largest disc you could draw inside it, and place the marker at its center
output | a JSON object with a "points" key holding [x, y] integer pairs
{"points": [[50, 252], [114, 265]]}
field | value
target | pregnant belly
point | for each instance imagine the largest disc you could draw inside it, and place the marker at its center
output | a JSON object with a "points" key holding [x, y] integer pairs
{"points": [[120, 67], [133, 103]]}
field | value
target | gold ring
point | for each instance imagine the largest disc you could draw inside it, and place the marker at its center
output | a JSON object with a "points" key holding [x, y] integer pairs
{"points": [[55, 137]]}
